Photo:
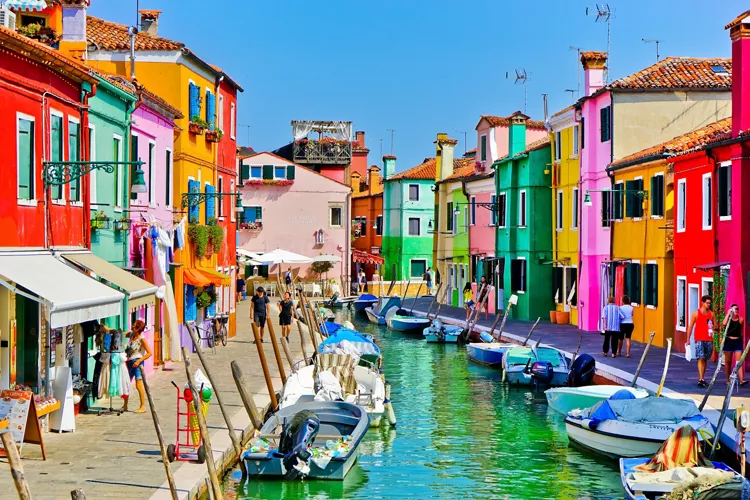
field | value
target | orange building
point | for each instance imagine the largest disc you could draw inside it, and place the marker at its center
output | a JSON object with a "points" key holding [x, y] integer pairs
{"points": [[367, 222]]}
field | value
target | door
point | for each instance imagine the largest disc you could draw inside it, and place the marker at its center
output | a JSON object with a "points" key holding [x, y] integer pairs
{"points": [[27, 361], [694, 300]]}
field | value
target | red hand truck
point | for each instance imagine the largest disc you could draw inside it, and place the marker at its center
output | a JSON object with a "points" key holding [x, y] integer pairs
{"points": [[185, 450]]}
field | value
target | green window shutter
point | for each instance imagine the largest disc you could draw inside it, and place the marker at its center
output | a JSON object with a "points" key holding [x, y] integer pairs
{"points": [[636, 280], [484, 148], [630, 203], [604, 120], [617, 202], [449, 217], [654, 285], [57, 149], [290, 172], [268, 171], [647, 286], [259, 213], [244, 172], [606, 209], [25, 159], [656, 195], [74, 148], [637, 200]]}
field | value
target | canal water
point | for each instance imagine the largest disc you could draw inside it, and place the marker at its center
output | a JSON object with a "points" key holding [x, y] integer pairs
{"points": [[460, 434]]}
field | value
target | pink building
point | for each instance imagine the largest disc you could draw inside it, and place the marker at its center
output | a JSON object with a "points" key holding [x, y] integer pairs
{"points": [[294, 208], [153, 137]]}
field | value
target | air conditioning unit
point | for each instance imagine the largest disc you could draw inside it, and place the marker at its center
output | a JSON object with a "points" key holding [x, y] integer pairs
{"points": [[7, 18]]}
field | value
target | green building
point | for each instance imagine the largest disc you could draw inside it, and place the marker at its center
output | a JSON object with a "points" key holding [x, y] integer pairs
{"points": [[524, 227], [408, 208]]}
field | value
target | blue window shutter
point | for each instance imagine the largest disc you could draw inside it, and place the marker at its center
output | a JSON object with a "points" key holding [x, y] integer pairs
{"points": [[191, 311], [211, 310], [210, 204], [193, 213], [195, 105], [249, 214], [210, 109]]}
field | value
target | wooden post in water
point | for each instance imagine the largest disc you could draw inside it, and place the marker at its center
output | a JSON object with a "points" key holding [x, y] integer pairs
{"points": [[511, 301], [413, 302], [159, 436], [202, 428], [247, 398], [264, 365], [643, 359], [79, 494], [727, 397], [494, 324], [227, 418], [16, 466], [287, 353], [276, 351], [716, 371], [666, 368], [434, 297], [526, 340]]}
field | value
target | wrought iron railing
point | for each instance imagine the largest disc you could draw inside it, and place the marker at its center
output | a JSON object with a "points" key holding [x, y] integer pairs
{"points": [[323, 153]]}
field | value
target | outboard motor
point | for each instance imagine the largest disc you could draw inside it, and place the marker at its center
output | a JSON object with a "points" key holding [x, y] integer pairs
{"points": [[333, 299], [542, 372], [582, 371], [296, 438]]}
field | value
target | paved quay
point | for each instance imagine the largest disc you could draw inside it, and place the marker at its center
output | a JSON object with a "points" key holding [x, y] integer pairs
{"points": [[112, 456]]}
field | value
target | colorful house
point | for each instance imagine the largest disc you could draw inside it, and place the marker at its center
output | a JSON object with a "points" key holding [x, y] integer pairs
{"points": [[409, 210], [367, 222], [524, 234], [669, 98], [565, 134], [294, 208]]}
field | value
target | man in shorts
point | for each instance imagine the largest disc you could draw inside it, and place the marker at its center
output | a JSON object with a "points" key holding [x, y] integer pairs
{"points": [[703, 322], [259, 309]]}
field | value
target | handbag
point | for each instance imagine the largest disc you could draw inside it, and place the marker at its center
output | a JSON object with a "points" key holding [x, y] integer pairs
{"points": [[689, 350]]}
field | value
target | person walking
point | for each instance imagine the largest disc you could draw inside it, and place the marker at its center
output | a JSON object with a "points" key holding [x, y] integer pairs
{"points": [[427, 277], [240, 289], [137, 352], [468, 300], [611, 317], [701, 328], [288, 277], [362, 282], [285, 316], [734, 345], [626, 326], [259, 310]]}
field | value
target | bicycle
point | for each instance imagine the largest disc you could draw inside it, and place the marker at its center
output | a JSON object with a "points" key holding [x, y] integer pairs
{"points": [[216, 333]]}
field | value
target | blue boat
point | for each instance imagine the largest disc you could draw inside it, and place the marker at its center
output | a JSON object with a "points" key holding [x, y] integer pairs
{"points": [[401, 321], [439, 333], [344, 337], [489, 354], [364, 301], [289, 446], [377, 312]]}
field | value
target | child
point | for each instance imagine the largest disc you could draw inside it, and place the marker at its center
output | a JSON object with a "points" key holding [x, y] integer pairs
{"points": [[468, 300]]}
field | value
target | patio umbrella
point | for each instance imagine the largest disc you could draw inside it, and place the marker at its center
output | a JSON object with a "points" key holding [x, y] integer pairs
{"points": [[280, 256], [327, 258]]}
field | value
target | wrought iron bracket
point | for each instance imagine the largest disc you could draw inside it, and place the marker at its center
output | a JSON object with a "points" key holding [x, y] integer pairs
{"points": [[196, 198], [58, 173], [493, 207]]}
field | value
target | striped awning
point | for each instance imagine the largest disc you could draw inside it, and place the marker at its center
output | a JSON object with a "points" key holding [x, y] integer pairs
{"points": [[32, 5], [366, 258]]}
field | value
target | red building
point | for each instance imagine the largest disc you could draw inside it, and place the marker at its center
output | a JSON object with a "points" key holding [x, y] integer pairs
{"points": [[37, 82], [367, 222]]}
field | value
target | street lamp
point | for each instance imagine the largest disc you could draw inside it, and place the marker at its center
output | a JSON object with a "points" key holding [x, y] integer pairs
{"points": [[238, 208], [59, 173], [640, 193], [139, 182], [587, 199], [190, 200]]}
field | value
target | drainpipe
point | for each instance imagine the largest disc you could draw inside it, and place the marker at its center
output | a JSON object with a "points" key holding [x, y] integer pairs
{"points": [[86, 94], [347, 240], [132, 31]]}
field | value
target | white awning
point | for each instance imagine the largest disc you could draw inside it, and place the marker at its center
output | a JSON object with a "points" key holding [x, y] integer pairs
{"points": [[72, 296]]}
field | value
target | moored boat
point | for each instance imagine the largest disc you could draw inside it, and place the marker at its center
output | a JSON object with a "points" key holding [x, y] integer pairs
{"points": [[346, 341], [489, 354], [378, 311], [440, 333], [364, 301], [402, 321], [542, 364], [319, 440], [567, 399]]}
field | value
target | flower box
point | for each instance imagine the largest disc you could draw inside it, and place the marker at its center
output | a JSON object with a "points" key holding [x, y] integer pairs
{"points": [[214, 135], [268, 182], [99, 224], [123, 224], [196, 128], [251, 226]]}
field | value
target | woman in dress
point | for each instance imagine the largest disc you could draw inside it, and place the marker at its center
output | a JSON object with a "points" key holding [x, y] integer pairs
{"points": [[286, 306], [733, 345], [137, 352]]}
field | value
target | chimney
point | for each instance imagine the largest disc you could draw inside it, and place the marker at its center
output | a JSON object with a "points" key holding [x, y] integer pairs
{"points": [[73, 40], [150, 21], [594, 64], [356, 182], [360, 138], [517, 133], [389, 166], [445, 147], [739, 32], [373, 179]]}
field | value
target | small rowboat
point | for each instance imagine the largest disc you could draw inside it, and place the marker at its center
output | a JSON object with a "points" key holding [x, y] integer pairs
{"points": [[439, 333], [401, 321], [378, 311], [489, 354], [364, 301], [542, 364], [567, 399]]}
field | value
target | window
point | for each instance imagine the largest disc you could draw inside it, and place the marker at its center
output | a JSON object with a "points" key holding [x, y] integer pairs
{"points": [[681, 194], [417, 268], [473, 210], [92, 157], [558, 293], [449, 216], [725, 190], [618, 201], [633, 281], [657, 195], [633, 203], [74, 154], [232, 122], [252, 214], [210, 203], [606, 209], [336, 217], [56, 149], [25, 137], [605, 115], [220, 126], [558, 146], [681, 300], [379, 225], [707, 287], [279, 172], [707, 202], [576, 140], [583, 133], [231, 212], [413, 192], [651, 285], [220, 201], [119, 180], [256, 172], [363, 226], [151, 174], [168, 183], [574, 210], [518, 275], [483, 142], [571, 286], [500, 216], [522, 208], [559, 218]]}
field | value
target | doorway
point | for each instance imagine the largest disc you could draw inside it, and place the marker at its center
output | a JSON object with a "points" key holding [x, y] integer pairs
{"points": [[27, 351]]}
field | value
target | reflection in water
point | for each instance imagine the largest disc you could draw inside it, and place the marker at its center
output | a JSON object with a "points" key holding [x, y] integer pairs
{"points": [[460, 434]]}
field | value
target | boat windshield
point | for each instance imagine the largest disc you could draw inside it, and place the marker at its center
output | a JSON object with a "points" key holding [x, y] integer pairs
{"points": [[522, 355]]}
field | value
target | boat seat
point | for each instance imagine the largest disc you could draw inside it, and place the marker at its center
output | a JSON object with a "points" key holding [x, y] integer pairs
{"points": [[342, 367]]}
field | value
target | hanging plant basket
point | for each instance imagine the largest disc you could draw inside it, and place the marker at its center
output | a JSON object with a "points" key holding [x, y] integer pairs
{"points": [[123, 224]]}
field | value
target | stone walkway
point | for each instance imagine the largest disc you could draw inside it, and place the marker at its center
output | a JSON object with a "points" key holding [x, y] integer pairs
{"points": [[113, 456]]}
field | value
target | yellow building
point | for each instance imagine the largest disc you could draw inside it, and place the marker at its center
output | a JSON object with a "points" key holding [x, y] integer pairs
{"points": [[566, 209], [643, 242]]}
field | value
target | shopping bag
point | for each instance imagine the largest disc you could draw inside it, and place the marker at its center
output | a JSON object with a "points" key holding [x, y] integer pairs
{"points": [[689, 351]]}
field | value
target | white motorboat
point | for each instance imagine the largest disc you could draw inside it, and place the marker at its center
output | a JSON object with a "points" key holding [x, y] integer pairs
{"points": [[633, 427], [544, 364], [567, 399], [337, 375]]}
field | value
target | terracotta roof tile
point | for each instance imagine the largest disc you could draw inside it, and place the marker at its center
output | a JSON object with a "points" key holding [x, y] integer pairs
{"points": [[538, 144], [471, 151], [738, 20], [562, 111], [149, 14], [107, 35], [462, 167], [683, 144], [425, 171], [499, 121], [680, 73]]}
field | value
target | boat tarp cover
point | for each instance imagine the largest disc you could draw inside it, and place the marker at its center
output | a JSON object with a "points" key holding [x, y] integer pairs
{"points": [[521, 355], [366, 297], [643, 410], [622, 394], [363, 345], [331, 327]]}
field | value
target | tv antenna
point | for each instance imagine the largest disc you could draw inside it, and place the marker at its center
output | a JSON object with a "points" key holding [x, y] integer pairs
{"points": [[460, 132], [572, 94], [522, 77], [605, 14], [578, 67], [391, 131], [248, 127], [655, 42]]}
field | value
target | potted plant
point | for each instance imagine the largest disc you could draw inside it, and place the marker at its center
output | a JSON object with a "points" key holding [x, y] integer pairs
{"points": [[197, 125], [215, 234], [122, 223], [198, 236], [202, 300], [100, 220], [214, 135]]}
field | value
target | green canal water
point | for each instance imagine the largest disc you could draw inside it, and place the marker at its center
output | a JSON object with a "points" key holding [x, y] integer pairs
{"points": [[460, 434]]}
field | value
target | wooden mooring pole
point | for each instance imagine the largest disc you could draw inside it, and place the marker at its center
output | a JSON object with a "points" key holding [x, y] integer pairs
{"points": [[276, 351], [264, 365], [247, 398], [159, 436], [643, 359], [16, 467]]}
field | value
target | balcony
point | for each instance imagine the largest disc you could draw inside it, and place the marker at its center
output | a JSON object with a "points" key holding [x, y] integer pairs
{"points": [[326, 151]]}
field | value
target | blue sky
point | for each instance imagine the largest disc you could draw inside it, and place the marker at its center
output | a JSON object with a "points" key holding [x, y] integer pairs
{"points": [[418, 66]]}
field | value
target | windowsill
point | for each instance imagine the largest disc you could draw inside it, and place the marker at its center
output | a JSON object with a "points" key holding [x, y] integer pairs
{"points": [[169, 208], [634, 304], [221, 218], [27, 203], [680, 230], [559, 230], [657, 217], [574, 157], [653, 308], [520, 292], [707, 228], [574, 228], [725, 217], [680, 328], [335, 227], [521, 227], [152, 205], [637, 219], [118, 209], [76, 203], [58, 202]]}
